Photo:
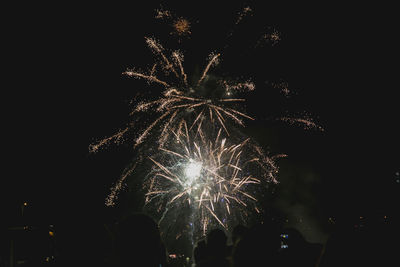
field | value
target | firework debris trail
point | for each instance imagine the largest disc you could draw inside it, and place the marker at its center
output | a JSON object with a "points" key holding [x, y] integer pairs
{"points": [[200, 161]]}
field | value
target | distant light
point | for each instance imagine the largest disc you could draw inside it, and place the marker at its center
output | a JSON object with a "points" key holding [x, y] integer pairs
{"points": [[25, 203], [361, 217], [172, 256], [385, 217], [51, 233]]}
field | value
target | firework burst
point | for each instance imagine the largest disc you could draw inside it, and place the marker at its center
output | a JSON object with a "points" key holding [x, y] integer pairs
{"points": [[201, 171], [181, 99], [216, 179]]}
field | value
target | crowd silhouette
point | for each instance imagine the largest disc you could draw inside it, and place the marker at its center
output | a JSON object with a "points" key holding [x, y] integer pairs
{"points": [[136, 241]]}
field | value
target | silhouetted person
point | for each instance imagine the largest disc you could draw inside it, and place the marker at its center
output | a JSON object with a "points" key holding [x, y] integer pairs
{"points": [[138, 242], [299, 251], [216, 250], [200, 252], [238, 232], [258, 247]]}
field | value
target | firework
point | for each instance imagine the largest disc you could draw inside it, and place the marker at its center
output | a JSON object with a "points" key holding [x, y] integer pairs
{"points": [[113, 196], [198, 170], [246, 11], [283, 88], [162, 13], [271, 37], [216, 179], [181, 27], [305, 121], [180, 98]]}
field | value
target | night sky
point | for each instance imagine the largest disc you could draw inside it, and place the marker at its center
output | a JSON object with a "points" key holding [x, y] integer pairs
{"points": [[63, 89]]}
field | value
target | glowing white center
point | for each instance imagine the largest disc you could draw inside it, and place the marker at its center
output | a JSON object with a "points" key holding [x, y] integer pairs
{"points": [[193, 169]]}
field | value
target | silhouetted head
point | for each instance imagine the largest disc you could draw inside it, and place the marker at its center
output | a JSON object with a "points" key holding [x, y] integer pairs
{"points": [[216, 242], [258, 247], [138, 240], [200, 251], [216, 237]]}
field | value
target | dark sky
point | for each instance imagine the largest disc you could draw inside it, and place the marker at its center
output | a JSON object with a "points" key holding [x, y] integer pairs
{"points": [[64, 89]]}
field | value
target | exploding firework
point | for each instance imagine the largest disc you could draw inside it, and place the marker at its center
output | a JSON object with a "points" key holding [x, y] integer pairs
{"points": [[271, 36], [182, 99], [162, 13], [181, 27], [201, 172], [217, 181]]}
